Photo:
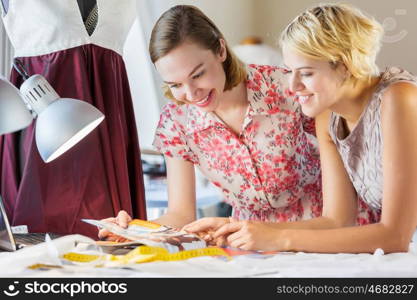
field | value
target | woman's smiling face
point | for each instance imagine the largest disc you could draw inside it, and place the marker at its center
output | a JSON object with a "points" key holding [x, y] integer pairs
{"points": [[194, 75], [316, 83]]}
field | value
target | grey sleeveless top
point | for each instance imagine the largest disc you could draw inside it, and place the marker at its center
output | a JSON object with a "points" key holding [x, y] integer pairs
{"points": [[361, 150]]}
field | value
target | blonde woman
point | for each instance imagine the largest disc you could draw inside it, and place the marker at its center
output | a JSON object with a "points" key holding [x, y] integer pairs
{"points": [[366, 126]]}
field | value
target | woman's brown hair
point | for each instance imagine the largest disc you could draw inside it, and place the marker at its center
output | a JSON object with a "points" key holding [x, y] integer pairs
{"points": [[188, 23]]}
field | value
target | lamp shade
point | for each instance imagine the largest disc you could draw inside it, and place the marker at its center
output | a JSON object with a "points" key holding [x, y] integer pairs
{"points": [[14, 115], [63, 124]]}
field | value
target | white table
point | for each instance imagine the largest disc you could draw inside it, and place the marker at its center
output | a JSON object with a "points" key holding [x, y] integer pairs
{"points": [[279, 265]]}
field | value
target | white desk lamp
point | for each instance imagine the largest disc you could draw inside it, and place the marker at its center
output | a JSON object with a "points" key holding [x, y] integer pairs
{"points": [[61, 122]]}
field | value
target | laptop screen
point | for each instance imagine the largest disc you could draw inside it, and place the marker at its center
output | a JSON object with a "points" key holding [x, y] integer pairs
{"points": [[6, 237]]}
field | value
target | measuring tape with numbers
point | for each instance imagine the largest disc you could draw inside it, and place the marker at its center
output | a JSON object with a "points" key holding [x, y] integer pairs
{"points": [[145, 254]]}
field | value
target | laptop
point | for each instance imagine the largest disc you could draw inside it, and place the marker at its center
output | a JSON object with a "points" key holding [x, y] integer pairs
{"points": [[10, 241]]}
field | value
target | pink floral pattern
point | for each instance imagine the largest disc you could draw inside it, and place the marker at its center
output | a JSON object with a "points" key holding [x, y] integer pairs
{"points": [[271, 171]]}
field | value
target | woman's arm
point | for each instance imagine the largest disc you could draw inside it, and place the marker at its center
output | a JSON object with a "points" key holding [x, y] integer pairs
{"points": [[181, 193], [181, 199], [399, 205]]}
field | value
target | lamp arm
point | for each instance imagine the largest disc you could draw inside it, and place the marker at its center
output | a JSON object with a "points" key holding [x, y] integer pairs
{"points": [[20, 68]]}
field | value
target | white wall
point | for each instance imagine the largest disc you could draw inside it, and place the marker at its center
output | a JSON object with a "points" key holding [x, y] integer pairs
{"points": [[144, 91], [400, 41], [6, 52], [234, 18]]}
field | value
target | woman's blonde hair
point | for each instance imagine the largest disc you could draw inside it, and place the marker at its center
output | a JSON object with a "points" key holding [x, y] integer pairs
{"points": [[338, 33], [183, 23]]}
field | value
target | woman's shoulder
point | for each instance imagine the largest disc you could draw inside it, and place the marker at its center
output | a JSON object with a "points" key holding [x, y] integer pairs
{"points": [[392, 76], [183, 118], [173, 108], [400, 93], [397, 83], [174, 112], [173, 116], [268, 89], [266, 78], [266, 72], [398, 96]]}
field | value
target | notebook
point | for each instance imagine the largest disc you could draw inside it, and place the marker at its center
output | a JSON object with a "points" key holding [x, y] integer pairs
{"points": [[13, 242]]}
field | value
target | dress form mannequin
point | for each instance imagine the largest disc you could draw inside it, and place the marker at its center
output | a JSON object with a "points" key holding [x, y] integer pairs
{"points": [[103, 174], [85, 6], [5, 4]]}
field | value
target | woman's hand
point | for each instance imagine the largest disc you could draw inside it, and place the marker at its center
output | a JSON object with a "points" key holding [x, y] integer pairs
{"points": [[250, 235], [206, 227], [205, 224], [122, 220]]}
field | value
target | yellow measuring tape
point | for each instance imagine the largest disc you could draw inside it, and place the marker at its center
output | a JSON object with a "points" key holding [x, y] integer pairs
{"points": [[143, 254]]}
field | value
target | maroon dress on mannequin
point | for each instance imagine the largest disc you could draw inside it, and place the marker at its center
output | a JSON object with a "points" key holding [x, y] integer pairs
{"points": [[102, 174]]}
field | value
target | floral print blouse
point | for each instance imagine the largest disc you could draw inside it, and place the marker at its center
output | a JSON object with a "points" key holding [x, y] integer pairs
{"points": [[271, 170]]}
